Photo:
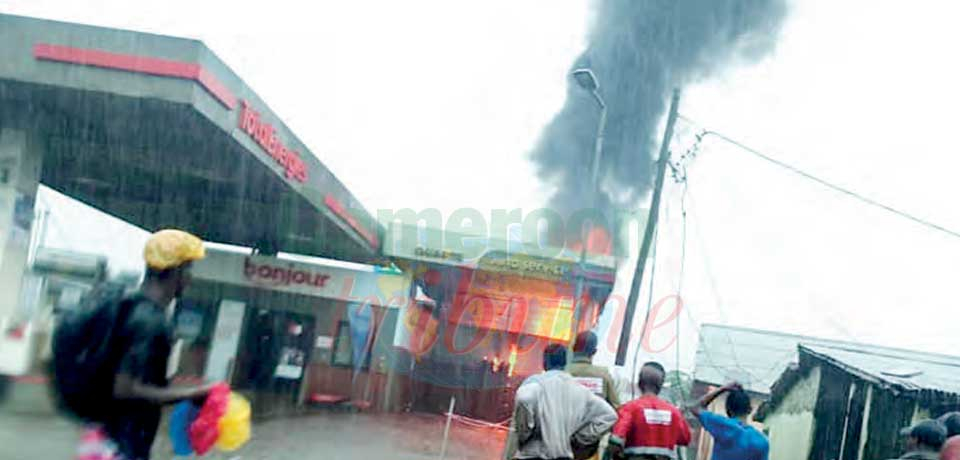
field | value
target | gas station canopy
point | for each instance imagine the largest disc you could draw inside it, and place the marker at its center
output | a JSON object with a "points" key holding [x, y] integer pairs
{"points": [[158, 131]]}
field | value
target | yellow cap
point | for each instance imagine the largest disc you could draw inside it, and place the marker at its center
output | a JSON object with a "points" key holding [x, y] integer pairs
{"points": [[171, 248]]}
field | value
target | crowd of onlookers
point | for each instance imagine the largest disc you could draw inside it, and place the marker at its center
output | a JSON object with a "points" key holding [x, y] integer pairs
{"points": [[567, 412]]}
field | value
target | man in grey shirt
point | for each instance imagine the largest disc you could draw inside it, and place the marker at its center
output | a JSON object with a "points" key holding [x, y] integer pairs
{"points": [[555, 415]]}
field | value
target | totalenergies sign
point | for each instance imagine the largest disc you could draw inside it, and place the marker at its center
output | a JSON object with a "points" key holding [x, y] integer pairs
{"points": [[266, 137]]}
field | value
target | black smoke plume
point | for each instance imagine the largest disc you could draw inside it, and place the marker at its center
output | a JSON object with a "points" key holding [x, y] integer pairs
{"points": [[640, 50]]}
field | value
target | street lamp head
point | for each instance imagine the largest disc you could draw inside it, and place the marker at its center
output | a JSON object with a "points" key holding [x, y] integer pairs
{"points": [[586, 79]]}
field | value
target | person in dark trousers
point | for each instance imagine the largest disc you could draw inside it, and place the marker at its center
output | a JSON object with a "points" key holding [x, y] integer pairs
{"points": [[141, 386], [924, 440], [556, 417], [596, 378], [649, 427], [734, 438]]}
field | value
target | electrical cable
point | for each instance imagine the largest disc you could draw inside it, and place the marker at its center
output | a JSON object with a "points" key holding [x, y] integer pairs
{"points": [[704, 132], [708, 267], [683, 264], [707, 354], [705, 256], [683, 259], [718, 301], [691, 153], [869, 201], [681, 172]]}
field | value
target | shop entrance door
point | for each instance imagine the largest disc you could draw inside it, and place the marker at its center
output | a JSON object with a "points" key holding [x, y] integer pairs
{"points": [[277, 351]]}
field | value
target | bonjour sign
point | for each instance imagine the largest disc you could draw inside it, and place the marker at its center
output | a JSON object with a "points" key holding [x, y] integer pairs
{"points": [[274, 275]]}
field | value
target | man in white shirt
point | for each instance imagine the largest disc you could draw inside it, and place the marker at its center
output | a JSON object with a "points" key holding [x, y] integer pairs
{"points": [[555, 417]]}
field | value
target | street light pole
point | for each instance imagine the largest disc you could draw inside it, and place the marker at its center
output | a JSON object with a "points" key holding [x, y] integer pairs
{"points": [[587, 80], [598, 148]]}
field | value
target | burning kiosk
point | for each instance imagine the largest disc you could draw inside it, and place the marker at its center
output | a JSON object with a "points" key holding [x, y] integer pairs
{"points": [[489, 312]]}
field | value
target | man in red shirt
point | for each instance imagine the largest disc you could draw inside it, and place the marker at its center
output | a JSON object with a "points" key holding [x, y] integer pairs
{"points": [[649, 428]]}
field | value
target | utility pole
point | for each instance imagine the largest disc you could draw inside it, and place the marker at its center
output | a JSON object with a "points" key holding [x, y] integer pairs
{"points": [[662, 162]]}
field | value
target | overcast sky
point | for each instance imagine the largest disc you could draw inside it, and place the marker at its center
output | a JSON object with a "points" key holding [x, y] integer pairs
{"points": [[436, 104]]}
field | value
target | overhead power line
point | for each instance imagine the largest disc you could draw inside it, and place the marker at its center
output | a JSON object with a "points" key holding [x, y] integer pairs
{"points": [[718, 301], [705, 132]]}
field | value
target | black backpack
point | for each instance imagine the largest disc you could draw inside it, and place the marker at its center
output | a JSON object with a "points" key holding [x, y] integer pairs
{"points": [[87, 350]]}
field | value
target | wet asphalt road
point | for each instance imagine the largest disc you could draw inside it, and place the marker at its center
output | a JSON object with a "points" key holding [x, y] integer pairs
{"points": [[319, 436]]}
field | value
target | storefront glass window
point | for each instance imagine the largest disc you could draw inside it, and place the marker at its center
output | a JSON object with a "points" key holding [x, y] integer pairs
{"points": [[342, 351]]}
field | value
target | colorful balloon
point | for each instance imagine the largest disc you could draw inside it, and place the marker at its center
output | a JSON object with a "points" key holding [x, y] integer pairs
{"points": [[235, 424], [205, 428], [183, 414]]}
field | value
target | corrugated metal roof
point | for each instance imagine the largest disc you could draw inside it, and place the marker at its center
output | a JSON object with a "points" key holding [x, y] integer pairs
{"points": [[910, 370], [753, 357], [756, 358]]}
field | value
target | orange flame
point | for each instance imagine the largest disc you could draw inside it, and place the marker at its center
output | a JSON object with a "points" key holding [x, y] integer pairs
{"points": [[598, 242]]}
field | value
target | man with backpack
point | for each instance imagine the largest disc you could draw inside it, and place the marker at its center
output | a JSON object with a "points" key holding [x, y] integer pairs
{"points": [[111, 361]]}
